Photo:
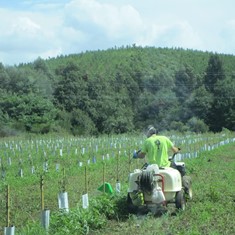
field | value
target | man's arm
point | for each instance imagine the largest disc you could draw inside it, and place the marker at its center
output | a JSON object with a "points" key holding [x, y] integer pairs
{"points": [[141, 154], [175, 149]]}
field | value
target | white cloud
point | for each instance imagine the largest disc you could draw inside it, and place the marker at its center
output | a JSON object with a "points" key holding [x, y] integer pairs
{"points": [[30, 29], [177, 34], [25, 25], [188, 36], [114, 21], [226, 37], [26, 36]]}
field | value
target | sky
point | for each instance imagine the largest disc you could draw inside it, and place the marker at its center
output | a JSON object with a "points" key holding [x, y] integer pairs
{"points": [[30, 29]]}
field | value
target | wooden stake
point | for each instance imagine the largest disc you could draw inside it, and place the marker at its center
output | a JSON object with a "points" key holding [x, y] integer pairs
{"points": [[8, 206], [86, 187], [63, 184], [104, 177], [129, 161], [42, 192], [118, 167]]}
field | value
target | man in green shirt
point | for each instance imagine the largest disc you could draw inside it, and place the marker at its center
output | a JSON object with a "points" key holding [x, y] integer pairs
{"points": [[155, 148]]}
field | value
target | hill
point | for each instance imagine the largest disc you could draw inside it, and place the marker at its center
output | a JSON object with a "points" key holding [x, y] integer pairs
{"points": [[119, 90]]}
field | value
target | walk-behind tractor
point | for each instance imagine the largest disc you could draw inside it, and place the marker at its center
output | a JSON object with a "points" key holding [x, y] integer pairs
{"points": [[152, 188]]}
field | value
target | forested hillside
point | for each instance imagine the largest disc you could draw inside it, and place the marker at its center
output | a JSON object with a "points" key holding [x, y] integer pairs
{"points": [[119, 90]]}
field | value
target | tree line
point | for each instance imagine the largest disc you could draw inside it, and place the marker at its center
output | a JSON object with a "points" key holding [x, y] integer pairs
{"points": [[119, 90]]}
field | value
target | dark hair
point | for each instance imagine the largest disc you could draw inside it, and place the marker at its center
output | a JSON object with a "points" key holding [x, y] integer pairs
{"points": [[151, 130]]}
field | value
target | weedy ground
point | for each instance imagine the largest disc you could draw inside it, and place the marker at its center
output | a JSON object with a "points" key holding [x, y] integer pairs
{"points": [[211, 212]]}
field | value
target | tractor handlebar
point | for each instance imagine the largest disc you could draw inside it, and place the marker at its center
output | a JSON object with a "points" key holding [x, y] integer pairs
{"points": [[171, 159]]}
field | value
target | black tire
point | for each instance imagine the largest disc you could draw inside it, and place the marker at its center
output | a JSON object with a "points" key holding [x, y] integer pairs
{"points": [[180, 201], [131, 208], [187, 185], [128, 199]]}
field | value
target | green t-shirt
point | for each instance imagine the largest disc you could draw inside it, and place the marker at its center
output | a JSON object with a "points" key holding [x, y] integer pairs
{"points": [[156, 149]]}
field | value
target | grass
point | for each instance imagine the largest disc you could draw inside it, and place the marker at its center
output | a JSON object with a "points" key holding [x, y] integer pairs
{"points": [[210, 212]]}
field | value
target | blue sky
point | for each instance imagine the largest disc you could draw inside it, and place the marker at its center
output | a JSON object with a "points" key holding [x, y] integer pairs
{"points": [[40, 28]]}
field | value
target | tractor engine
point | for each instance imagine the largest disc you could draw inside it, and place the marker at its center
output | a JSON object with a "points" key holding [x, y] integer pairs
{"points": [[144, 187]]}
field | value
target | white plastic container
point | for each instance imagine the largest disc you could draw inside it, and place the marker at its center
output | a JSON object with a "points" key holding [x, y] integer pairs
{"points": [[63, 201], [85, 201], [153, 167], [118, 187], [133, 178], [158, 196], [9, 230], [45, 218], [172, 179]]}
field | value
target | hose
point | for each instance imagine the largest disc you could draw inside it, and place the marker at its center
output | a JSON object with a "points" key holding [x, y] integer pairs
{"points": [[146, 181]]}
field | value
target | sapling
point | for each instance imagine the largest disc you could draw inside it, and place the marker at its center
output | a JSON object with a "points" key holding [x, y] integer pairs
{"points": [[63, 195]]}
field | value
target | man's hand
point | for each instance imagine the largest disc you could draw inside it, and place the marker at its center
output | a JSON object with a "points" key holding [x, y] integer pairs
{"points": [[175, 149], [135, 154]]}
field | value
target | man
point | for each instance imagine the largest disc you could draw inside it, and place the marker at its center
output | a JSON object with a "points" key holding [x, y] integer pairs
{"points": [[155, 148]]}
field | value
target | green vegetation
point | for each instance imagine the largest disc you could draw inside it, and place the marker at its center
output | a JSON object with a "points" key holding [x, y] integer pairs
{"points": [[210, 212], [118, 91], [80, 102]]}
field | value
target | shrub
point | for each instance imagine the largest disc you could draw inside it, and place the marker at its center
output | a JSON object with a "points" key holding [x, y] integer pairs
{"points": [[197, 125]]}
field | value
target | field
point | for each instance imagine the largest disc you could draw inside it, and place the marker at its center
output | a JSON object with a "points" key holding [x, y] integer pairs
{"points": [[79, 166], [212, 210]]}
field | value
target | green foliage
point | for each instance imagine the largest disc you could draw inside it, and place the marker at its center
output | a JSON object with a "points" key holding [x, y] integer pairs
{"points": [[185, 83], [179, 126], [20, 81], [201, 103], [30, 112], [118, 90], [221, 88], [214, 72], [197, 125], [70, 91], [81, 123], [213, 192], [223, 105], [82, 221]]}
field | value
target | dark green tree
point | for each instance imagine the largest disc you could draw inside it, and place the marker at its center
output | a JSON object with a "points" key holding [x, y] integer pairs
{"points": [[81, 123], [21, 81], [216, 84], [28, 112], [197, 125], [118, 90], [43, 78], [214, 73], [222, 111], [4, 78], [71, 90], [185, 83], [201, 103], [110, 111], [159, 109]]}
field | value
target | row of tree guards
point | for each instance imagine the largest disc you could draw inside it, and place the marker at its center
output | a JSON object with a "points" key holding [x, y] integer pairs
{"points": [[45, 164], [63, 202], [105, 187], [41, 150]]}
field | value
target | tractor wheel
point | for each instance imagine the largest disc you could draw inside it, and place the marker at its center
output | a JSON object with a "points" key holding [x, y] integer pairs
{"points": [[128, 199], [187, 184], [180, 201], [132, 209]]}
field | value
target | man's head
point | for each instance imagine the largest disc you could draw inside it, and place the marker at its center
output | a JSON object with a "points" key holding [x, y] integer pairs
{"points": [[150, 131]]}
